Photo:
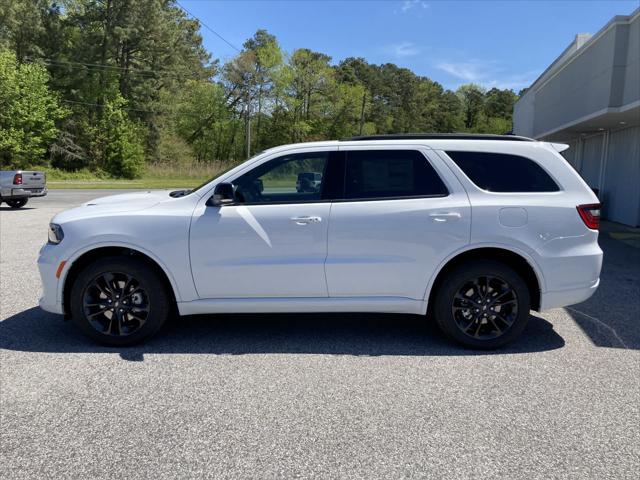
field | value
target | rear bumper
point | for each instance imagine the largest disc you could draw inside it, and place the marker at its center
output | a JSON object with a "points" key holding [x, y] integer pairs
{"points": [[16, 193], [563, 298]]}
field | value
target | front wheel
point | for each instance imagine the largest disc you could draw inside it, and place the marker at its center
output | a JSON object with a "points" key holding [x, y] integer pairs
{"points": [[119, 301], [482, 304], [17, 203]]}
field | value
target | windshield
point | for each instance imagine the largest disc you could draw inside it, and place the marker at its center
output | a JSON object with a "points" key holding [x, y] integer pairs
{"points": [[217, 175]]}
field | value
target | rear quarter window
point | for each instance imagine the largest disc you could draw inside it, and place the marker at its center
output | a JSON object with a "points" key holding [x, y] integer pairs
{"points": [[501, 172]]}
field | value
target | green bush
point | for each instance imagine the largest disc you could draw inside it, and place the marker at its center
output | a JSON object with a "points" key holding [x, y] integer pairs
{"points": [[118, 142], [28, 112]]}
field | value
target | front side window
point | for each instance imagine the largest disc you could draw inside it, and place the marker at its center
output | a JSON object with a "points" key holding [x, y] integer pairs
{"points": [[376, 174], [288, 179], [500, 172]]}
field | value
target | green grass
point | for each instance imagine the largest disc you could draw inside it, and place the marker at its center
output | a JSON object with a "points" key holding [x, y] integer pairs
{"points": [[142, 183], [154, 178]]}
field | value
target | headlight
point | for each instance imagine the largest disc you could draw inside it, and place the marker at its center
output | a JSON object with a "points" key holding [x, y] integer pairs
{"points": [[55, 233]]}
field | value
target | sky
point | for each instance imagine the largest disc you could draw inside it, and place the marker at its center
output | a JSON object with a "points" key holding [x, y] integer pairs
{"points": [[504, 44]]}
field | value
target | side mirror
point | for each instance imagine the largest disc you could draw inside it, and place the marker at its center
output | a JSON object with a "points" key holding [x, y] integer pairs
{"points": [[222, 195]]}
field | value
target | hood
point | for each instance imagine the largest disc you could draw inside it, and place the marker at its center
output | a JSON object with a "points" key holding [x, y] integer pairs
{"points": [[126, 202]]}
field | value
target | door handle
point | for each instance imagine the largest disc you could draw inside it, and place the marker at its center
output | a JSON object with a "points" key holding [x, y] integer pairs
{"points": [[306, 220], [445, 216]]}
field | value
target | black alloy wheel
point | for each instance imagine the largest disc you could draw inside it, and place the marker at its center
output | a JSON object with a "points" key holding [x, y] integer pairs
{"points": [[115, 304], [485, 307], [482, 304], [120, 300]]}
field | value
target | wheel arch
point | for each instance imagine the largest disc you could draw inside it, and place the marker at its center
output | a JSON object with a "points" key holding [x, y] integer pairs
{"points": [[516, 260], [93, 254]]}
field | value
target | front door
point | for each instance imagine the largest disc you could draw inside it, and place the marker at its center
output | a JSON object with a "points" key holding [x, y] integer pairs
{"points": [[273, 241]]}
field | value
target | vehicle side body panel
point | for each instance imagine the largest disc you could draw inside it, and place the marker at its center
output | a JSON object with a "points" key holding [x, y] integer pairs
{"points": [[371, 255]]}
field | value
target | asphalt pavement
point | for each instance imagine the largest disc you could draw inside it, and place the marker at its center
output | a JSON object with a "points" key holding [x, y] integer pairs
{"points": [[316, 396]]}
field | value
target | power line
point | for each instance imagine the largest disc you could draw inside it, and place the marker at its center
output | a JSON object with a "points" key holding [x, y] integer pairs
{"points": [[157, 112], [209, 28], [135, 71], [103, 106]]}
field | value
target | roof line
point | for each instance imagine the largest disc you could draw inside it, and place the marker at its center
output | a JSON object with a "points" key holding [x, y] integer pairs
{"points": [[440, 136]]}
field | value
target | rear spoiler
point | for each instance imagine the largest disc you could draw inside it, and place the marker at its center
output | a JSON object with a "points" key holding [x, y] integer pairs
{"points": [[559, 147]]}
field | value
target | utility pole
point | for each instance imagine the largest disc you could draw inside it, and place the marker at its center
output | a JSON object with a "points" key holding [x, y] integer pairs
{"points": [[364, 99], [248, 132]]}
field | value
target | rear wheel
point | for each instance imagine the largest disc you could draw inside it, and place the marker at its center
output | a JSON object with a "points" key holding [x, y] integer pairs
{"points": [[119, 301], [17, 203], [483, 304]]}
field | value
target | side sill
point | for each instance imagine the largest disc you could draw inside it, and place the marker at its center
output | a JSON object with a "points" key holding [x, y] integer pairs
{"points": [[302, 305]]}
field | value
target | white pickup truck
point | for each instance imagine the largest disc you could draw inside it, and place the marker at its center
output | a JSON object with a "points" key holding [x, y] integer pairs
{"points": [[17, 186]]}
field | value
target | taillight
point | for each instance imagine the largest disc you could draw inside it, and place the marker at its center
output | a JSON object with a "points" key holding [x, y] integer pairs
{"points": [[590, 215], [17, 179]]}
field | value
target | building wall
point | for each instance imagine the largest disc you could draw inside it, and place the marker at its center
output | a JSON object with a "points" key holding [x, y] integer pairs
{"points": [[632, 70], [589, 98], [581, 88], [621, 177], [592, 76], [610, 162]]}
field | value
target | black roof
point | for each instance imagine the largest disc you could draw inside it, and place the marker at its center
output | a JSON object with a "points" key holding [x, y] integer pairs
{"points": [[441, 136]]}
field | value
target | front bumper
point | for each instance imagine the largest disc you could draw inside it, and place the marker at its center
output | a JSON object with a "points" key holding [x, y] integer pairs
{"points": [[48, 261]]}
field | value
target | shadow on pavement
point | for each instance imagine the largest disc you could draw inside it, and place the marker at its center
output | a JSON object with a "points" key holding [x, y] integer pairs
{"points": [[34, 330], [4, 208], [611, 317]]}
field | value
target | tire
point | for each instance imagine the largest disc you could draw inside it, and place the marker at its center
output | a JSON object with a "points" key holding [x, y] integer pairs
{"points": [[483, 304], [148, 301], [17, 203]]}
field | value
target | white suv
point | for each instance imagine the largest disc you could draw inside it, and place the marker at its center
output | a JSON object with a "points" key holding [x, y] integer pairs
{"points": [[471, 230]]}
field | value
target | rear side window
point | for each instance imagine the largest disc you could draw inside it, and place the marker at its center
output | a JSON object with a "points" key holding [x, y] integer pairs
{"points": [[373, 174], [500, 172]]}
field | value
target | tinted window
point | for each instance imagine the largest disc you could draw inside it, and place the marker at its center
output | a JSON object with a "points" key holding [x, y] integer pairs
{"points": [[390, 174], [290, 178], [499, 172]]}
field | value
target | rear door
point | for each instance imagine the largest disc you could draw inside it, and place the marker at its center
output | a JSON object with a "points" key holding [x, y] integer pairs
{"points": [[402, 213]]}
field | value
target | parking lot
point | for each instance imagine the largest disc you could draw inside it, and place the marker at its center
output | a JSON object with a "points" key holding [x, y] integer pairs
{"points": [[317, 396]]}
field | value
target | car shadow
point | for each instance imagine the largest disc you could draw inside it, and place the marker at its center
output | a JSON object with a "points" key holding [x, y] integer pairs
{"points": [[34, 330], [4, 208], [610, 317]]}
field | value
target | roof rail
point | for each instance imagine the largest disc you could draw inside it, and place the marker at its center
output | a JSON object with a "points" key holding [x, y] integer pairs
{"points": [[440, 136]]}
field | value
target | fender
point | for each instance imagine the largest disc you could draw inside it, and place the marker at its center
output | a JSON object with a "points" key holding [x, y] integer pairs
{"points": [[115, 243], [476, 246]]}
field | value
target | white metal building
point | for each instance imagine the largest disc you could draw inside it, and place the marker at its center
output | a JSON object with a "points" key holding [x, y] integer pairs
{"points": [[589, 97]]}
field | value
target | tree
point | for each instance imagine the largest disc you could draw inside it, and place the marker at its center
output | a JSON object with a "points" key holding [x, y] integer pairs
{"points": [[28, 112], [21, 27], [141, 64], [251, 78], [499, 103], [117, 142], [472, 98]]}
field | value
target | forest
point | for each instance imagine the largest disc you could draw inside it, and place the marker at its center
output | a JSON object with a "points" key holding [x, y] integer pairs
{"points": [[116, 87]]}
